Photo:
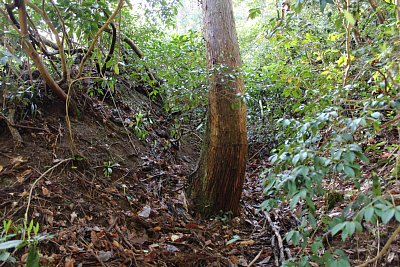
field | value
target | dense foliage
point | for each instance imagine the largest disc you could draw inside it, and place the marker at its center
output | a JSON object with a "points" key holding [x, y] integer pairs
{"points": [[333, 109]]}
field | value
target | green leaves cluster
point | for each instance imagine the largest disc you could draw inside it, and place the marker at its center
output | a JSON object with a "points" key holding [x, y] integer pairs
{"points": [[325, 133], [16, 237]]}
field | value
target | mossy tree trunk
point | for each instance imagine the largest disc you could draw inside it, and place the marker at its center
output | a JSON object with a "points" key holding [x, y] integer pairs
{"points": [[217, 184]]}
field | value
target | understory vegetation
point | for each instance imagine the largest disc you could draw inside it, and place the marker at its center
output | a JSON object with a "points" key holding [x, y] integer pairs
{"points": [[322, 83]]}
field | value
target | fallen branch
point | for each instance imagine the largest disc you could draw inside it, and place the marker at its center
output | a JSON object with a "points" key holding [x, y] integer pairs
{"points": [[255, 258], [384, 249], [36, 181], [278, 237]]}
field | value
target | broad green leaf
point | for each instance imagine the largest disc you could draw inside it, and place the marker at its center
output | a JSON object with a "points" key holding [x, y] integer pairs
{"points": [[339, 167], [303, 155], [315, 246], [349, 17], [233, 240], [312, 220], [387, 215], [349, 156], [349, 171], [254, 12], [337, 228], [381, 206], [376, 115], [4, 256], [368, 213], [294, 201], [296, 159], [343, 262], [337, 155], [359, 227], [351, 228], [362, 157], [116, 69], [322, 5], [376, 186], [397, 214], [345, 234], [296, 238], [11, 244], [289, 235], [33, 257]]}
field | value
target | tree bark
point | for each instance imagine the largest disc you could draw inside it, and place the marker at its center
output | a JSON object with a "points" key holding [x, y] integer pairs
{"points": [[379, 13], [217, 184]]}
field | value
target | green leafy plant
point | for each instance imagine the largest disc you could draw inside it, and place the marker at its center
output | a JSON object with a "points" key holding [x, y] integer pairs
{"points": [[108, 168], [17, 237]]}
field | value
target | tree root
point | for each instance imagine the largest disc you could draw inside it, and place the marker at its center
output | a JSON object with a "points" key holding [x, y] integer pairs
{"points": [[10, 124]]}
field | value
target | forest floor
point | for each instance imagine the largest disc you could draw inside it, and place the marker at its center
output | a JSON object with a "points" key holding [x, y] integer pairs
{"points": [[122, 201]]}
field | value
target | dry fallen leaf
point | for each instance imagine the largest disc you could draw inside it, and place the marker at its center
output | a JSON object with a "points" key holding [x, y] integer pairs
{"points": [[69, 262], [24, 194], [1, 168], [45, 191], [246, 243], [175, 237], [194, 226], [73, 216], [21, 176], [116, 244], [105, 255], [172, 248], [157, 229], [145, 212], [17, 161]]}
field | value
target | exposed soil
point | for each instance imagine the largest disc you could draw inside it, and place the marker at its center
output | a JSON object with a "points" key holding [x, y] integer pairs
{"points": [[138, 215], [110, 199]]}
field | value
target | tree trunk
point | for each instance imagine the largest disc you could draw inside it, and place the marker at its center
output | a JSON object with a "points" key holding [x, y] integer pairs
{"points": [[217, 184]]}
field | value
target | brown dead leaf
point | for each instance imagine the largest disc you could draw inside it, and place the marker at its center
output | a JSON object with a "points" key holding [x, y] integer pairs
{"points": [[69, 262], [24, 257], [49, 216], [45, 191], [21, 176], [1, 168], [194, 226], [116, 244], [24, 194], [94, 238], [17, 161], [157, 229], [234, 259], [246, 243]]}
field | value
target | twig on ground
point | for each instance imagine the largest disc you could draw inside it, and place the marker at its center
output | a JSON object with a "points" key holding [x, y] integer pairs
{"points": [[36, 181], [255, 258], [258, 152], [278, 237], [84, 243], [384, 249]]}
